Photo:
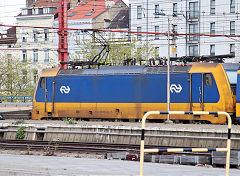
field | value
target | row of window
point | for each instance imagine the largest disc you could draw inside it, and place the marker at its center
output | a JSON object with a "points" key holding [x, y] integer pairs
{"points": [[157, 36], [157, 11], [193, 50], [193, 9], [38, 11], [25, 75], [232, 28], [35, 54], [213, 7], [193, 29], [35, 36]]}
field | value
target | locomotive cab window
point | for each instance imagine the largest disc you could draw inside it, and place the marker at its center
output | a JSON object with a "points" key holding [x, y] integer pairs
{"points": [[42, 83], [208, 79], [232, 78]]}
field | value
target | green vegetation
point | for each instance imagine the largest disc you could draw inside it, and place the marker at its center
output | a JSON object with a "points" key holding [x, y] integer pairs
{"points": [[20, 134], [51, 149], [70, 121], [14, 77], [29, 150], [18, 77], [121, 48], [18, 122]]}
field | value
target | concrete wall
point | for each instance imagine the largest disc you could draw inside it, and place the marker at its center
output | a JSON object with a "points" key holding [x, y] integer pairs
{"points": [[174, 137]]}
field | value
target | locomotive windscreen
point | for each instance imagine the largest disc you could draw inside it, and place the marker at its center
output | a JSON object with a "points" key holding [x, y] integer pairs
{"points": [[231, 71]]}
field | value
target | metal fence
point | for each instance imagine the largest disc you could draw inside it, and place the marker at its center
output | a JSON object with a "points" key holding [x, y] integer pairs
{"points": [[227, 149], [24, 99]]}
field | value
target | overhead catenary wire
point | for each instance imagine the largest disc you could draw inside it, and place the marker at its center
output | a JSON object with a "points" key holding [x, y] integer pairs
{"points": [[123, 31], [170, 9], [161, 33], [27, 44]]}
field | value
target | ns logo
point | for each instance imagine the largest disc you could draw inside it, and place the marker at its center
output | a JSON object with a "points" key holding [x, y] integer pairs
{"points": [[175, 88], [65, 89]]}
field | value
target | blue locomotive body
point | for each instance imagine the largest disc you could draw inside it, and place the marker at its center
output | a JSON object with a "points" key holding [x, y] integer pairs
{"points": [[127, 92]]}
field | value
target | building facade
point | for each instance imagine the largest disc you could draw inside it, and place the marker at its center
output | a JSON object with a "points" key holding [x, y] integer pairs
{"points": [[91, 15], [36, 46], [209, 17], [8, 42]]}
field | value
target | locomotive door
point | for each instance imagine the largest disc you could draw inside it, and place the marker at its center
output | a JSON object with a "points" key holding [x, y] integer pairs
{"points": [[196, 93], [49, 89]]}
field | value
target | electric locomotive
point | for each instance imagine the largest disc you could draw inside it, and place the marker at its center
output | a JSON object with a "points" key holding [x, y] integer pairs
{"points": [[127, 92], [238, 96]]}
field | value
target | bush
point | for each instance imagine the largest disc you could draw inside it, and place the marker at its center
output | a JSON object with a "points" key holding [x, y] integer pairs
{"points": [[70, 121], [20, 134]]}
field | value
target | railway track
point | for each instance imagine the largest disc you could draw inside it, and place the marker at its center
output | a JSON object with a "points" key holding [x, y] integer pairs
{"points": [[17, 115], [67, 146], [100, 148], [110, 151]]}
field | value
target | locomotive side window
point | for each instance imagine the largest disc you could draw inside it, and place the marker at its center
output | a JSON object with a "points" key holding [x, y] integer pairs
{"points": [[42, 83], [208, 79]]}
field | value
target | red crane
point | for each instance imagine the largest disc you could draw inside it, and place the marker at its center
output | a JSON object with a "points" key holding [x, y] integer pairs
{"points": [[62, 32]]}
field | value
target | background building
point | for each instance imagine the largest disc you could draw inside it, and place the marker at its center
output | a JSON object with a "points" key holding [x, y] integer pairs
{"points": [[193, 17], [36, 46], [7, 42], [90, 15]]}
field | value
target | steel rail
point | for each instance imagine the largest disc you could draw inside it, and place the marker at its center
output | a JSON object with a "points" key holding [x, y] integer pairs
{"points": [[62, 146], [58, 146]]}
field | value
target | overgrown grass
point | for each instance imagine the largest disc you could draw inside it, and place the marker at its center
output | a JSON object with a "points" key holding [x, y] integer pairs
{"points": [[50, 149], [18, 122]]}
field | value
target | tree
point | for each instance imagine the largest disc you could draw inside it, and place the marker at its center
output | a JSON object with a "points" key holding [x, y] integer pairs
{"points": [[121, 48], [19, 77], [14, 77]]}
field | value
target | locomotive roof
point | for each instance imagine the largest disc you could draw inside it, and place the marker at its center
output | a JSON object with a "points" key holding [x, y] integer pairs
{"points": [[231, 66], [122, 70]]}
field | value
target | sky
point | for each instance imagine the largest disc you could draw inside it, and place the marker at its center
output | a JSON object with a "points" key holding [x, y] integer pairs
{"points": [[11, 8]]}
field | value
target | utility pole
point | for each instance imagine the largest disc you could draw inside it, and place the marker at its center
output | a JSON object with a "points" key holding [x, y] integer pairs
{"points": [[168, 121], [147, 27], [168, 72], [168, 75], [62, 32]]}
